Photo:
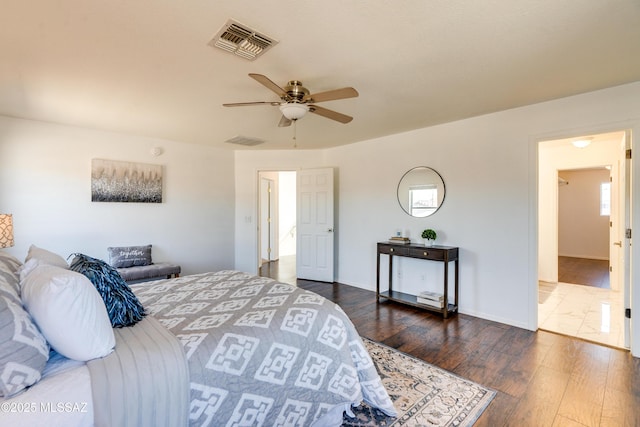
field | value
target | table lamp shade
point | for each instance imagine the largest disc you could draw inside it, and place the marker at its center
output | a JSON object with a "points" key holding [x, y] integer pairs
{"points": [[6, 230]]}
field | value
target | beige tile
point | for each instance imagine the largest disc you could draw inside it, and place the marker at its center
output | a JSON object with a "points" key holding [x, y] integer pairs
{"points": [[585, 312]]}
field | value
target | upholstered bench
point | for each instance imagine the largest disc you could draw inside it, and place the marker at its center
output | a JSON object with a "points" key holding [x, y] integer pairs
{"points": [[134, 264], [161, 270]]}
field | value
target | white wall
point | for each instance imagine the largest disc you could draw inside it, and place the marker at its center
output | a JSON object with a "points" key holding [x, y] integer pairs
{"points": [[582, 231], [45, 183], [368, 210], [489, 165], [485, 211]]}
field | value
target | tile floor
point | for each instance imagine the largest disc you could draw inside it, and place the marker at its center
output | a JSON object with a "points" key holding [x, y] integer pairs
{"points": [[586, 312]]}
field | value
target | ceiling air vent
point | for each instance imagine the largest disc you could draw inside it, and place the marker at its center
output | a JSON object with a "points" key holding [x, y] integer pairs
{"points": [[245, 140], [241, 40]]}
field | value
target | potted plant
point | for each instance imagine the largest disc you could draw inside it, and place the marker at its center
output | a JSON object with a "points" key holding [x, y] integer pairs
{"points": [[429, 235]]}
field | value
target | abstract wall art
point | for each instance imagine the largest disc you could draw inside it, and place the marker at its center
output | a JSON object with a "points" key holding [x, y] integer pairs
{"points": [[116, 181]]}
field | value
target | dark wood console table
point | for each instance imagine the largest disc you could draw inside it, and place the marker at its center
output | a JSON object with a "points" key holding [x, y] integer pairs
{"points": [[444, 254]]}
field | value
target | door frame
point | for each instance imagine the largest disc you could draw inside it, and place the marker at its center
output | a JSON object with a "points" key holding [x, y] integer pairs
{"points": [[534, 224], [273, 232], [627, 279], [266, 241], [273, 175]]}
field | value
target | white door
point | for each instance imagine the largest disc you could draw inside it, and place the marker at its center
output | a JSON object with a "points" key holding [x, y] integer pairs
{"points": [[314, 260], [266, 229], [620, 276], [616, 228]]}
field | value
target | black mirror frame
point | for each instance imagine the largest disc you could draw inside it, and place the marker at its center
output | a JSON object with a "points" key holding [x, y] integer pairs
{"points": [[444, 188]]}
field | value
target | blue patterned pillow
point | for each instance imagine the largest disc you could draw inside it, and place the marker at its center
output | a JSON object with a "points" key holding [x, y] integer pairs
{"points": [[123, 306]]}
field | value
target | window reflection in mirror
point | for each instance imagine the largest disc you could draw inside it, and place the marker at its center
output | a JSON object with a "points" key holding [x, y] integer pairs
{"points": [[423, 199], [421, 192]]}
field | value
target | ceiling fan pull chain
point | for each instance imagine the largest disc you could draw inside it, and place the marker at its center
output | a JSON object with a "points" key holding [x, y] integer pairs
{"points": [[295, 142]]}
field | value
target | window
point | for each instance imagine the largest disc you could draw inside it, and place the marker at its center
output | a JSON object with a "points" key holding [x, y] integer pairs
{"points": [[423, 199], [605, 199]]}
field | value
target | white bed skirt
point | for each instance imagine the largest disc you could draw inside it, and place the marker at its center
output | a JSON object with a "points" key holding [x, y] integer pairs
{"points": [[62, 398]]}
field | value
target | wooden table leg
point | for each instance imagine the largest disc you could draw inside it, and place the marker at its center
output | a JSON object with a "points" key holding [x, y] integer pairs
{"points": [[390, 273], [378, 278], [446, 289]]}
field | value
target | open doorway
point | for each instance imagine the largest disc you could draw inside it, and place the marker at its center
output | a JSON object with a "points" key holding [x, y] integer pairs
{"points": [[581, 227], [584, 227], [277, 225]]}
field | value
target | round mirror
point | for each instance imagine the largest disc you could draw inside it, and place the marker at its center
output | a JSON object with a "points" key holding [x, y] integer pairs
{"points": [[421, 192]]}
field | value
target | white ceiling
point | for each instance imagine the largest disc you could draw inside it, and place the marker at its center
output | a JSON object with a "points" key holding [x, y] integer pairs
{"points": [[143, 67]]}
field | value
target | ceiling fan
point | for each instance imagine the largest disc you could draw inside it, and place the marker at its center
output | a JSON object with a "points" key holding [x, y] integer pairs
{"points": [[296, 100]]}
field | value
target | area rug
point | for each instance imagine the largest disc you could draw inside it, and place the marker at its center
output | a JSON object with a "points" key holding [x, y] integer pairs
{"points": [[423, 394]]}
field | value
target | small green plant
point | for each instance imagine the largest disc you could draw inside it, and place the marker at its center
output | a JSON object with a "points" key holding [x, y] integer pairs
{"points": [[429, 234]]}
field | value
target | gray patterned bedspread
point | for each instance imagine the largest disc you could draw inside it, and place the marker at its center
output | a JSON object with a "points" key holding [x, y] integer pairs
{"points": [[262, 352]]}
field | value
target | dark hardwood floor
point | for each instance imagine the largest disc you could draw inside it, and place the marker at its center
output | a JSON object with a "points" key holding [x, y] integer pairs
{"points": [[541, 379], [581, 271]]}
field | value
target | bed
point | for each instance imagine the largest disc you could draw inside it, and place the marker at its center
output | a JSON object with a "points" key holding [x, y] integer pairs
{"points": [[221, 348]]}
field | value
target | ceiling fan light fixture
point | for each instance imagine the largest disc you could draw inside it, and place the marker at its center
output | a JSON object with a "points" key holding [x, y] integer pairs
{"points": [[582, 143], [294, 110]]}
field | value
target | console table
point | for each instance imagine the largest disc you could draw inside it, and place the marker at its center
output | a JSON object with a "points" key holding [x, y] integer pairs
{"points": [[443, 254]]}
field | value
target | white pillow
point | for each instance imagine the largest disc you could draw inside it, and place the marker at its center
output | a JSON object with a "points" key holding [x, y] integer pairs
{"points": [[45, 257], [38, 256], [69, 312]]}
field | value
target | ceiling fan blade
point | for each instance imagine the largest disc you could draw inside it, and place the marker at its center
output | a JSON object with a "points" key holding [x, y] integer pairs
{"points": [[330, 114], [266, 82], [284, 122], [244, 104], [330, 95]]}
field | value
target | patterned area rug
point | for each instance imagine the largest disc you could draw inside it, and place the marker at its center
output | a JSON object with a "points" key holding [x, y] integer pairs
{"points": [[424, 395]]}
